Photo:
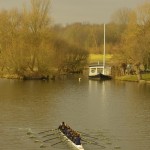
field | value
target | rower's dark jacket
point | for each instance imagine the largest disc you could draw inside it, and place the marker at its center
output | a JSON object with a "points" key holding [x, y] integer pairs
{"points": [[77, 141]]}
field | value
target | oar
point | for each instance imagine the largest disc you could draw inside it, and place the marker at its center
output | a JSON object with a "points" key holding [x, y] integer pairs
{"points": [[49, 135], [94, 143], [47, 131], [89, 141], [46, 136], [59, 142], [82, 133], [51, 139]]}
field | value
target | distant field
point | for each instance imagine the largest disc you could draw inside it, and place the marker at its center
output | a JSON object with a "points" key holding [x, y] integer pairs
{"points": [[99, 57]]}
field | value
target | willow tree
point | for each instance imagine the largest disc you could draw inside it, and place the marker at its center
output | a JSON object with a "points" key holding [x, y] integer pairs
{"points": [[134, 47], [3, 38], [9, 39], [143, 18], [136, 39], [36, 31], [25, 38]]}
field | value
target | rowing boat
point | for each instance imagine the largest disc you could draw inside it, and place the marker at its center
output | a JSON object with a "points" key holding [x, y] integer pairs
{"points": [[72, 144]]}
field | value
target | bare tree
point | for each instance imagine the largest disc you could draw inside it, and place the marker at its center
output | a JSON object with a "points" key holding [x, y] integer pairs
{"points": [[143, 13], [121, 16]]}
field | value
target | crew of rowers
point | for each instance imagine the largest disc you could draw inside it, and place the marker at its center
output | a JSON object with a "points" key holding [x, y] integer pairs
{"points": [[71, 134]]}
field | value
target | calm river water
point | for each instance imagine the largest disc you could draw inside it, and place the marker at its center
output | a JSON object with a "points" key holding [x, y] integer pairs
{"points": [[116, 113]]}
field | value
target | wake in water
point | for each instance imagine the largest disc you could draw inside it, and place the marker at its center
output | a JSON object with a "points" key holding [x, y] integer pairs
{"points": [[92, 139]]}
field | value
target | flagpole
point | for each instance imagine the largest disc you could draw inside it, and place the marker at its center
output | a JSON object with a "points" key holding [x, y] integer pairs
{"points": [[104, 53]]}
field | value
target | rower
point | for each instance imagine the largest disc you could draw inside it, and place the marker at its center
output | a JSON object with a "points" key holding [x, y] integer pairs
{"points": [[69, 134], [72, 137], [62, 126], [78, 140]]}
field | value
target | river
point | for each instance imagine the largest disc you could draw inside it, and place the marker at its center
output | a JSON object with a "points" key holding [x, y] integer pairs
{"points": [[116, 113]]}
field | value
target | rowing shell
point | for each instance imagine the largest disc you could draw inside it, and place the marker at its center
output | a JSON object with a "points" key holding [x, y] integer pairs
{"points": [[78, 147]]}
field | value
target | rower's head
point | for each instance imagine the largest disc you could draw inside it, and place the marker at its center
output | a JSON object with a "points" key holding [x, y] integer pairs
{"points": [[63, 123]]}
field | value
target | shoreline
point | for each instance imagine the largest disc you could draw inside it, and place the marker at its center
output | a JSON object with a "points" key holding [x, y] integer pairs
{"points": [[133, 78], [29, 77], [127, 78]]}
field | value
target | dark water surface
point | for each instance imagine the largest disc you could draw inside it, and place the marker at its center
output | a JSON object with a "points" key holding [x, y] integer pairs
{"points": [[116, 113]]}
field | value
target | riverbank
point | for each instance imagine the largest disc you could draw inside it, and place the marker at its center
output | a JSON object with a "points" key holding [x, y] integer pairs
{"points": [[26, 77], [133, 78], [129, 78], [10, 76]]}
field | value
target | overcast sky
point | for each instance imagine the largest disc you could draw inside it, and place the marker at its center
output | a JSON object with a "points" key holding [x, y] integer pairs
{"points": [[90, 11]]}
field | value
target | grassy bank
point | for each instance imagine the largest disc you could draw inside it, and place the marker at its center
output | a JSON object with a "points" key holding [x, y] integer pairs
{"points": [[133, 78]]}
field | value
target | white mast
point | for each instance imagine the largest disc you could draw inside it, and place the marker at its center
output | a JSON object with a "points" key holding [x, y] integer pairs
{"points": [[104, 53]]}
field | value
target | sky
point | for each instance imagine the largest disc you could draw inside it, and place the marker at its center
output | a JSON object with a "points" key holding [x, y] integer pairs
{"points": [[85, 11]]}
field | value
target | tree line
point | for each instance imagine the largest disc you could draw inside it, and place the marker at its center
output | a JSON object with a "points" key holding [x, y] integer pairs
{"points": [[31, 44]]}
